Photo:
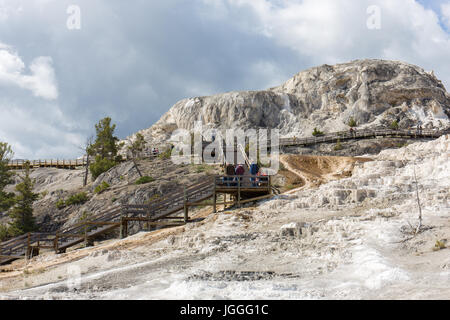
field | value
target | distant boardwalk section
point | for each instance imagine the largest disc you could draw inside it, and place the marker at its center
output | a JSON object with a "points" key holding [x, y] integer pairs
{"points": [[62, 164]]}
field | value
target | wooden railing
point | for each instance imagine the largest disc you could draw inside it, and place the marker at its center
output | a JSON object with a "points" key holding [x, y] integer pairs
{"points": [[20, 164], [362, 134], [156, 213]]}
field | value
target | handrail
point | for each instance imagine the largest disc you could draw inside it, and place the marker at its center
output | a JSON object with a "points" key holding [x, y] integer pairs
{"points": [[246, 159], [361, 134], [16, 246], [160, 208]]}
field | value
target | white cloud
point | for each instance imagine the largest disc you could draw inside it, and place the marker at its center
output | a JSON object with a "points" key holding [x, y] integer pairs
{"points": [[332, 31], [41, 81], [445, 9], [40, 133]]}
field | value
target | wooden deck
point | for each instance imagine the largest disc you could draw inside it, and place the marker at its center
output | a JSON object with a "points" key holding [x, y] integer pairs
{"points": [[158, 213]]}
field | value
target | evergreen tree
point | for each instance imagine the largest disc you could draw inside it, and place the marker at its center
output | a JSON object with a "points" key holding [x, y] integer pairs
{"points": [[137, 146], [104, 149], [106, 144], [22, 213], [6, 175]]}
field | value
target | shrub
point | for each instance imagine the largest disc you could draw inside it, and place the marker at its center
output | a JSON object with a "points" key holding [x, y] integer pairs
{"points": [[43, 194], [394, 125], [352, 122], [317, 133], [78, 198], [4, 232], [338, 145], [439, 245], [100, 166], [101, 187], [166, 154], [60, 204], [144, 179]]}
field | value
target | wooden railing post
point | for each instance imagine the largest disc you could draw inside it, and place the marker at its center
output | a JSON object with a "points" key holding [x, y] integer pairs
{"points": [[239, 192], [215, 196], [27, 252], [55, 242], [186, 209], [85, 234], [123, 224]]}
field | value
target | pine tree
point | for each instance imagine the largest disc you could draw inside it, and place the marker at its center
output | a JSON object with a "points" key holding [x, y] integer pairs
{"points": [[105, 144], [6, 175], [136, 147], [22, 214], [104, 149]]}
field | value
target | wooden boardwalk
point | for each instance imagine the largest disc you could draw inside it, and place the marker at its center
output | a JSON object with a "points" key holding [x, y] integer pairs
{"points": [[283, 142], [160, 212], [62, 164], [361, 134], [155, 214]]}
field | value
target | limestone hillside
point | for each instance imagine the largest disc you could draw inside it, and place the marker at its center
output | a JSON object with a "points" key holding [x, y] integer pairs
{"points": [[373, 92]]}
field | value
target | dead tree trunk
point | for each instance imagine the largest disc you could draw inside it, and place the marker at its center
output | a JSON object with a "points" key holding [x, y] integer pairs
{"points": [[137, 168], [86, 172]]}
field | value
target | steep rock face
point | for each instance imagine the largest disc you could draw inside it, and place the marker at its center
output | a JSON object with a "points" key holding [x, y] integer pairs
{"points": [[373, 92]]}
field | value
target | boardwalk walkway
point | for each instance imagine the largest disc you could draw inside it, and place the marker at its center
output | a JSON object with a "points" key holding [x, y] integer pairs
{"points": [[157, 213], [362, 134], [160, 212]]}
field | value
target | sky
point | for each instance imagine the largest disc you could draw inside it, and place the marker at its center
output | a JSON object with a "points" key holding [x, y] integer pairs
{"points": [[64, 65]]}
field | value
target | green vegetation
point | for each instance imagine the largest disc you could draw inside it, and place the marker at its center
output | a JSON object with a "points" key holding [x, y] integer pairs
{"points": [[43, 194], [101, 187], [100, 166], [317, 132], [6, 175], [22, 213], [166, 154], [439, 245], [137, 146], [199, 168], [338, 145], [4, 232], [60, 204], [352, 122], [104, 149], [75, 199], [144, 180], [78, 198], [394, 125]]}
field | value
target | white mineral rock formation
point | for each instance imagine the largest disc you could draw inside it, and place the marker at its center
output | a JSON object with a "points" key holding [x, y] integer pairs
{"points": [[373, 92]]}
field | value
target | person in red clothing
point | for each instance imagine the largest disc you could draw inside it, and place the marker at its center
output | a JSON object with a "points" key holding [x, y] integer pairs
{"points": [[239, 172]]}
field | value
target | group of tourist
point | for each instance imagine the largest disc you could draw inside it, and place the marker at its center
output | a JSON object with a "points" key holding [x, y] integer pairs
{"points": [[234, 171]]}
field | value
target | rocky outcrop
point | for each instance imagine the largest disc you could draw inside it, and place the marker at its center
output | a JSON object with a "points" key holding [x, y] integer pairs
{"points": [[373, 92]]}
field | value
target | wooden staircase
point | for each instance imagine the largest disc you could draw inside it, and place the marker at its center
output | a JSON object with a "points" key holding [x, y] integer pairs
{"points": [[155, 213]]}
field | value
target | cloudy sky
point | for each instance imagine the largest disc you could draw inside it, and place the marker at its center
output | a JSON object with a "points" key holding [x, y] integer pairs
{"points": [[132, 60]]}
